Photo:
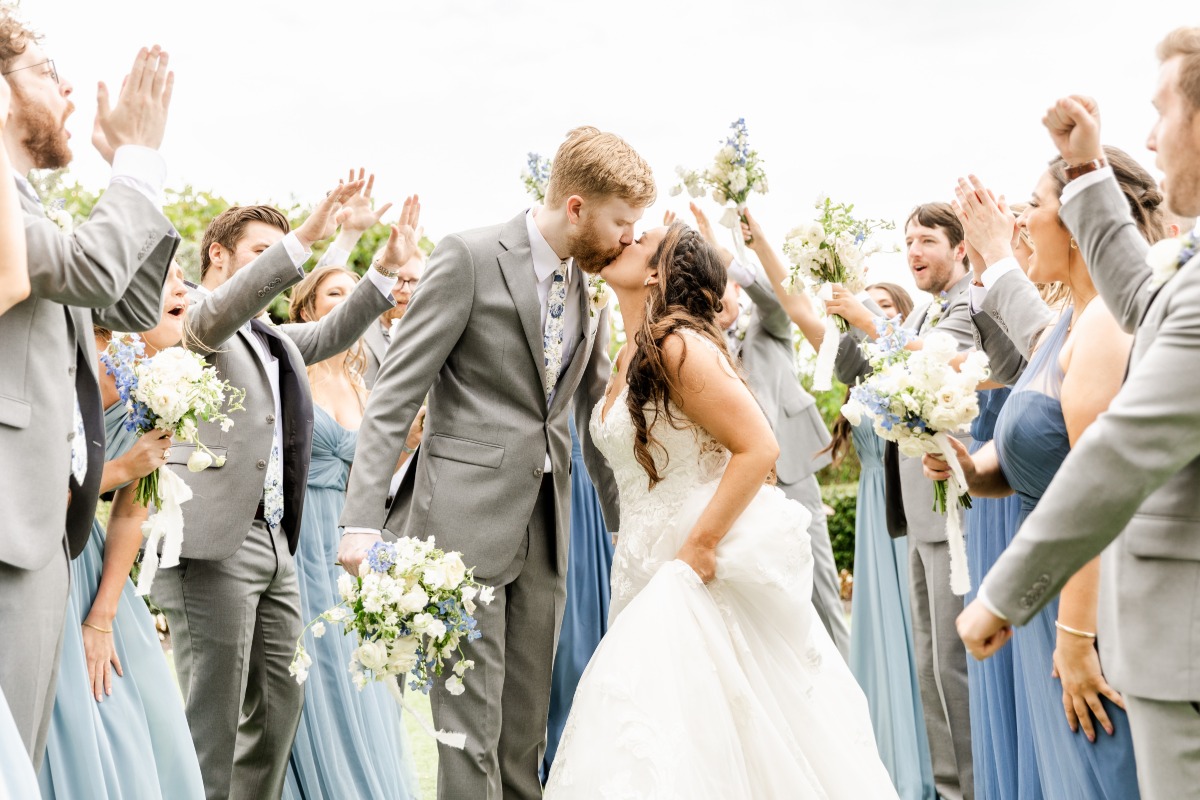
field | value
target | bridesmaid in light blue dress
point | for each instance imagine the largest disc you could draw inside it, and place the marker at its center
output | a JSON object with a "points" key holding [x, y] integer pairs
{"points": [[881, 645], [134, 742], [1001, 730], [350, 743], [17, 778], [1031, 443], [585, 619]]}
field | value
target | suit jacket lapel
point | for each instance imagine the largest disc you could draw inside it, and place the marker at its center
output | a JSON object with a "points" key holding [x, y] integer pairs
{"points": [[516, 264]]}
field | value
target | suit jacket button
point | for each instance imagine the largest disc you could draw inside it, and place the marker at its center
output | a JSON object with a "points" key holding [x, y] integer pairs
{"points": [[71, 436], [71, 371], [262, 463], [537, 472], [271, 418]]}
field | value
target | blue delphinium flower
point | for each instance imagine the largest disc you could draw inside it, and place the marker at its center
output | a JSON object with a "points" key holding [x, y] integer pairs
{"points": [[381, 557]]}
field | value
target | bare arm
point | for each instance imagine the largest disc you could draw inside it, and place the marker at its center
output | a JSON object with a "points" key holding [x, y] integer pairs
{"points": [[715, 399], [982, 470], [1094, 372], [798, 306]]}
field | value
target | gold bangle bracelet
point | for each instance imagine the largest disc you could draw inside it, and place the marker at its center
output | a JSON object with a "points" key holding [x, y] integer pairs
{"points": [[97, 628], [1072, 631]]}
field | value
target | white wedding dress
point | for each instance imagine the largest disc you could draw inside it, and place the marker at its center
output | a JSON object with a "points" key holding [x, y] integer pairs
{"points": [[731, 691]]}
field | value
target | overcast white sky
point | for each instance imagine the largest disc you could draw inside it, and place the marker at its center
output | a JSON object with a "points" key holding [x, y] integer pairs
{"points": [[879, 102]]}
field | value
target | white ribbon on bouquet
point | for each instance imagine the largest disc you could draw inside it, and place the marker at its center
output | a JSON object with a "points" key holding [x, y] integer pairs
{"points": [[165, 525], [960, 576], [827, 354], [456, 740], [732, 219]]}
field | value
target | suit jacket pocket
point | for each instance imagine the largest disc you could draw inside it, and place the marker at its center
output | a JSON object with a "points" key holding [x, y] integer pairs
{"points": [[180, 453], [14, 413], [1172, 538], [467, 451]]}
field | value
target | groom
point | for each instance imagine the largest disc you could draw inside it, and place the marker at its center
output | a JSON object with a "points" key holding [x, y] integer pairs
{"points": [[502, 337]]}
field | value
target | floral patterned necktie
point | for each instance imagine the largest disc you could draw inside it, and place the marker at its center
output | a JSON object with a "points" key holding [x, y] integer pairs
{"points": [[79, 456], [552, 338], [273, 489]]}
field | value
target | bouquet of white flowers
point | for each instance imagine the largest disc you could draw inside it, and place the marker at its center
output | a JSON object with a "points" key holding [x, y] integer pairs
{"points": [[412, 608], [831, 249], [173, 390], [536, 176], [916, 399], [736, 172]]}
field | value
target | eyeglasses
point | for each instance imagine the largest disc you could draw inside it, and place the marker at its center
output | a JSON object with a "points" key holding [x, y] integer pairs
{"points": [[404, 283], [49, 61]]}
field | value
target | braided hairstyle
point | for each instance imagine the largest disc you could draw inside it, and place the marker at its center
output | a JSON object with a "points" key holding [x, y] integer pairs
{"points": [[688, 296]]}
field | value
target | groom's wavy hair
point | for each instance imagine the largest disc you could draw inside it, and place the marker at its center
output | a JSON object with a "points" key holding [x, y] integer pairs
{"points": [[15, 35], [228, 227], [593, 163], [691, 283]]}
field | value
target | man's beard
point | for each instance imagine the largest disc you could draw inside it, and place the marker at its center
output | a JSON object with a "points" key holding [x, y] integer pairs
{"points": [[589, 251], [45, 138]]}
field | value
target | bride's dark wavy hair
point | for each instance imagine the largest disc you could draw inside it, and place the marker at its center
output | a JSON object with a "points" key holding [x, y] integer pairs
{"points": [[691, 282]]}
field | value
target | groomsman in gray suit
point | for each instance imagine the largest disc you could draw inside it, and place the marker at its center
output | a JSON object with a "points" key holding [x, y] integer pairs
{"points": [[1137, 467], [937, 258], [502, 336], [762, 341], [110, 270], [233, 601], [378, 338]]}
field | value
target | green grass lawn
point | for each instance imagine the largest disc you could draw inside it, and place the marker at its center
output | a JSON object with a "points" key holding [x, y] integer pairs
{"points": [[424, 748]]}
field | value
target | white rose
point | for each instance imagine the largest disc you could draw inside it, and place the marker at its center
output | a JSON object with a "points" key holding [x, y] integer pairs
{"points": [[404, 655], [454, 685], [421, 622], [939, 347], [911, 447], [728, 152], [434, 576], [373, 655], [852, 412], [436, 629], [199, 461], [414, 600], [456, 570]]}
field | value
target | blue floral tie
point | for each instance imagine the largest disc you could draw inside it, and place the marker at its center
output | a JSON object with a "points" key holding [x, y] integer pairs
{"points": [[79, 456], [552, 338], [273, 489]]}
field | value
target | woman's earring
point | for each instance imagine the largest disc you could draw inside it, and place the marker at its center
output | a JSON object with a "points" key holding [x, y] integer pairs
{"points": [[1074, 244], [647, 281]]}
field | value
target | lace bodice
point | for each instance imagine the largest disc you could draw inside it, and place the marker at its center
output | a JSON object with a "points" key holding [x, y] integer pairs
{"points": [[687, 456]]}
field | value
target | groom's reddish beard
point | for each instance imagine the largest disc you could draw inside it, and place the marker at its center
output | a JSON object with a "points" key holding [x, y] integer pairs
{"points": [[588, 248], [46, 137]]}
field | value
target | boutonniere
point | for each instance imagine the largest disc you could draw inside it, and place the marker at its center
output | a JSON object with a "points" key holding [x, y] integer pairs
{"points": [[599, 295], [938, 313], [1168, 256], [743, 325], [58, 214]]}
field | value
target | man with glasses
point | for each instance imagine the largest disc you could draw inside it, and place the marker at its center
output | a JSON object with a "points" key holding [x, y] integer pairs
{"points": [[378, 338], [110, 272]]}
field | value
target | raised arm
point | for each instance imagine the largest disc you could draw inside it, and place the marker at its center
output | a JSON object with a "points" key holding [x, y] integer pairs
{"points": [[798, 306], [428, 332], [356, 217], [711, 396]]}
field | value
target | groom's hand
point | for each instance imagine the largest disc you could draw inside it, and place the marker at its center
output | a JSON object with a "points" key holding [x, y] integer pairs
{"points": [[1074, 126], [354, 548], [982, 632]]}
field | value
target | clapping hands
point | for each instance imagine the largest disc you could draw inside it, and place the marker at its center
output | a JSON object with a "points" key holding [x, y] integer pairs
{"points": [[322, 222], [986, 220], [140, 114], [356, 215]]}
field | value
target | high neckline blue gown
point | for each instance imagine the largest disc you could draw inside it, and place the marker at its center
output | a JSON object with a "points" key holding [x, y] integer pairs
{"points": [[1031, 441], [349, 743], [136, 743]]}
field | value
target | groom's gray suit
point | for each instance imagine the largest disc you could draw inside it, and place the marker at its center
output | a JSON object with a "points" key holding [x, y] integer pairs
{"points": [[115, 263], [1136, 469], [472, 340], [769, 359], [233, 602]]}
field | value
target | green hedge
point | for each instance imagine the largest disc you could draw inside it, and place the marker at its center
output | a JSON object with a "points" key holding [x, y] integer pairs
{"points": [[841, 497]]}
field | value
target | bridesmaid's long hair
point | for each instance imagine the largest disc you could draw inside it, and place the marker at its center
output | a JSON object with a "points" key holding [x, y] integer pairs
{"points": [[303, 308], [839, 446], [691, 282]]}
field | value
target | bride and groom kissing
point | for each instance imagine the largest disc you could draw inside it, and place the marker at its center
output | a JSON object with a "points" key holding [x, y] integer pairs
{"points": [[713, 572]]}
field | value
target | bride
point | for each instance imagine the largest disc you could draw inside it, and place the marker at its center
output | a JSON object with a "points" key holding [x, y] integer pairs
{"points": [[716, 678]]}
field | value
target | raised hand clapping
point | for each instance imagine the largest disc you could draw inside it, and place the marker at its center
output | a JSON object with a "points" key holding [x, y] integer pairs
{"points": [[140, 114], [403, 242], [356, 215]]}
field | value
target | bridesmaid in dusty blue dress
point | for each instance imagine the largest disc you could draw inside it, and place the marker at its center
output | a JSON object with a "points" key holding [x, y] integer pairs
{"points": [[1031, 444], [1001, 736], [349, 743], [585, 618], [881, 645], [131, 738], [17, 779]]}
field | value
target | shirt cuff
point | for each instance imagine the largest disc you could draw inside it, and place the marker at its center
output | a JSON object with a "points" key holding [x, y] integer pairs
{"points": [[742, 274], [998, 270], [1084, 181], [142, 169], [350, 529], [382, 282], [984, 601], [337, 256], [976, 295], [296, 251]]}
